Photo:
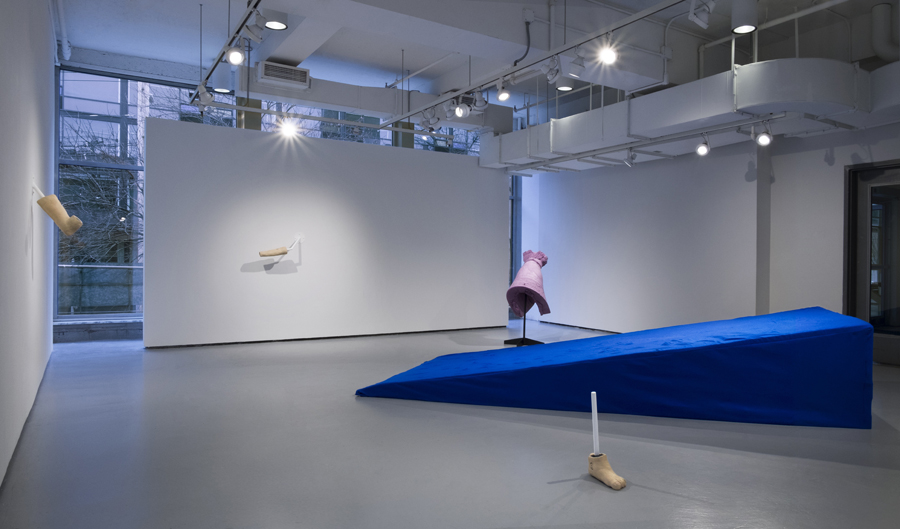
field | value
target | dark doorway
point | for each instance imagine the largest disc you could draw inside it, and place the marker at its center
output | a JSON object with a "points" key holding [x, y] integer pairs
{"points": [[872, 267]]}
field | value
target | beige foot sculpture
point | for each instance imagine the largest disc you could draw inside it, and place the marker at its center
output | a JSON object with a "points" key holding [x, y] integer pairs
{"points": [[272, 253], [598, 464], [52, 206], [298, 238]]}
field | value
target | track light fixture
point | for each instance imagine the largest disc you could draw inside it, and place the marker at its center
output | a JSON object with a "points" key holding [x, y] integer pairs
{"points": [[462, 110], [608, 55], [577, 67], [744, 17], [448, 107], [763, 138], [551, 69], [430, 119], [502, 92], [700, 14], [255, 31], [629, 159], [205, 97], [703, 148], [480, 102], [234, 56]]}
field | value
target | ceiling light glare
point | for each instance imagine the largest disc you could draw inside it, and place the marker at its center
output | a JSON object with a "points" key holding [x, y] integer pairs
{"points": [[577, 67], [462, 110], [274, 20], [234, 56], [763, 139], [744, 17], [502, 92], [703, 149], [608, 55], [288, 128]]}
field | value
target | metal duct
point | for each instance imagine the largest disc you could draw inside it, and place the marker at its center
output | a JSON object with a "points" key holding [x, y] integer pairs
{"points": [[885, 47]]}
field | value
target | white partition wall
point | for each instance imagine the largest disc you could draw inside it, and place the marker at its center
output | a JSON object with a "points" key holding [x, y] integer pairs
{"points": [[396, 240], [663, 243]]}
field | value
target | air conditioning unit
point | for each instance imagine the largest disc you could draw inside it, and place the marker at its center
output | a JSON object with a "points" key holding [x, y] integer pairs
{"points": [[275, 74]]}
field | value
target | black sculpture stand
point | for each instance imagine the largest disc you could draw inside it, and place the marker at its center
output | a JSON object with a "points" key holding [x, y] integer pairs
{"points": [[519, 342]]}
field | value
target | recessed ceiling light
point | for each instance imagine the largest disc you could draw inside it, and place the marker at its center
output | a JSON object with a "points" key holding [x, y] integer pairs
{"points": [[744, 17], [565, 84]]}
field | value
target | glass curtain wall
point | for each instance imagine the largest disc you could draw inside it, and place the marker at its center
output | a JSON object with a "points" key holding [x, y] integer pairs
{"points": [[101, 181]]}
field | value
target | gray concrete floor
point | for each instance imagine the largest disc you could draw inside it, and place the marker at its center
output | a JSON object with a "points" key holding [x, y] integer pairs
{"points": [[271, 436]]}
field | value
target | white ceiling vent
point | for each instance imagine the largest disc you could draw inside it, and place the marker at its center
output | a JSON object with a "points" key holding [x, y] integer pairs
{"points": [[280, 75]]}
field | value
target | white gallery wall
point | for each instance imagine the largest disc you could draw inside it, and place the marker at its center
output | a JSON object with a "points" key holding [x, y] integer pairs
{"points": [[26, 233], [807, 177], [396, 240], [743, 231], [664, 243]]}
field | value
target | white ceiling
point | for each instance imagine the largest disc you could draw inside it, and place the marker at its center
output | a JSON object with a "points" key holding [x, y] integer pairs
{"points": [[361, 41]]}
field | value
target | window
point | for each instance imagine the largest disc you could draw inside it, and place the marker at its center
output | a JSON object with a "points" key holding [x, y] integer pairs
{"points": [[102, 123]]}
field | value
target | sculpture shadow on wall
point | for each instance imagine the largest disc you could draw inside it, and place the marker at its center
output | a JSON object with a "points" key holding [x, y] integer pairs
{"points": [[271, 266]]}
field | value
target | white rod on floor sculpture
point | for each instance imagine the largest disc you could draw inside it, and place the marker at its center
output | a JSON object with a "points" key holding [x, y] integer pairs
{"points": [[594, 422]]}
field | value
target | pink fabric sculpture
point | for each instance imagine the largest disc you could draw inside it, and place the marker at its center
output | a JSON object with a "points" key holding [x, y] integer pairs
{"points": [[528, 287]]}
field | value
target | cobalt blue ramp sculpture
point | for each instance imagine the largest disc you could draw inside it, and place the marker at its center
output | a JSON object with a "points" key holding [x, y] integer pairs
{"points": [[807, 367]]}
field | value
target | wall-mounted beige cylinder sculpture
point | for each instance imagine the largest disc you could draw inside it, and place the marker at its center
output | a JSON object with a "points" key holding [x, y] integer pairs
{"points": [[52, 206], [272, 253]]}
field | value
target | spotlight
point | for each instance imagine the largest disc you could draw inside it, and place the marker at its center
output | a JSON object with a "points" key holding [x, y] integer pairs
{"points": [[565, 84], [234, 56], [577, 67], [608, 55], [462, 110], [480, 102], [448, 107], [763, 138], [551, 69], [629, 159], [255, 31], [700, 15], [502, 92], [703, 149], [288, 128], [205, 97], [744, 17]]}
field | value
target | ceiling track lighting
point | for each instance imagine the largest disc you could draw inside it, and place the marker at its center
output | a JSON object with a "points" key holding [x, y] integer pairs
{"points": [[205, 97], [576, 68], [235, 56], [462, 110], [502, 92], [700, 15], [607, 53], [448, 107], [763, 138], [629, 158], [551, 69], [703, 148], [480, 102], [744, 17]]}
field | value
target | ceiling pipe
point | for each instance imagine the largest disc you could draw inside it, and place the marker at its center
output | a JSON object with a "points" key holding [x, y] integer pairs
{"points": [[526, 64], [777, 21], [669, 138], [886, 47], [420, 70], [235, 36], [64, 36]]}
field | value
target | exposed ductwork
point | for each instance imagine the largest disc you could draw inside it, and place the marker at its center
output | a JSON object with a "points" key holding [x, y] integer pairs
{"points": [[885, 30]]}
